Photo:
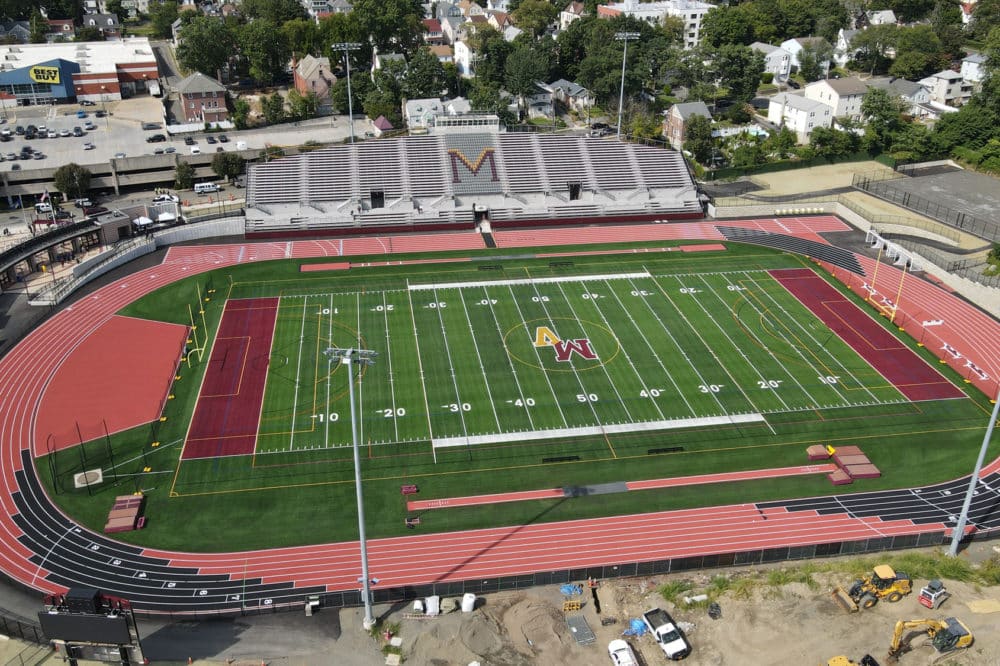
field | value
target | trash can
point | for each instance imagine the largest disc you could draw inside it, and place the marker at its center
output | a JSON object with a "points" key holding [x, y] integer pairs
{"points": [[468, 602]]}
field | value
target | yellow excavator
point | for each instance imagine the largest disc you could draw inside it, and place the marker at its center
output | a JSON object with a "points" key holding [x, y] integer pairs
{"points": [[866, 660], [882, 583], [946, 636]]}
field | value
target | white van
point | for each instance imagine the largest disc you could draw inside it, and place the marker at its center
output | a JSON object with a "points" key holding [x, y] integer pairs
{"points": [[205, 188], [44, 207]]}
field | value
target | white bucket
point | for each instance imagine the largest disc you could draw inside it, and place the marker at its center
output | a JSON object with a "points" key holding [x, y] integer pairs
{"points": [[468, 602]]}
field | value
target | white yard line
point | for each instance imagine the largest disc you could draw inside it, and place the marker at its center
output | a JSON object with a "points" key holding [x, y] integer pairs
{"points": [[604, 367], [420, 367], [329, 394], [451, 366], [388, 361], [361, 370], [538, 356], [298, 374], [513, 370], [482, 368], [524, 281]]}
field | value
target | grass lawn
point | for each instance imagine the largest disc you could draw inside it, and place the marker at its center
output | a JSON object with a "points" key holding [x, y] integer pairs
{"points": [[615, 368]]}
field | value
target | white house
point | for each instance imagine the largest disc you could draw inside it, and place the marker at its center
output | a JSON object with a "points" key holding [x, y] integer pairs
{"points": [[691, 12], [972, 68], [799, 114], [842, 50], [795, 46], [842, 95], [419, 113], [948, 87], [573, 11], [882, 17], [463, 58], [914, 95], [777, 60]]}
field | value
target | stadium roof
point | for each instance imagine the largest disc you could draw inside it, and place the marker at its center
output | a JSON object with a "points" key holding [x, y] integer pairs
{"points": [[449, 178]]}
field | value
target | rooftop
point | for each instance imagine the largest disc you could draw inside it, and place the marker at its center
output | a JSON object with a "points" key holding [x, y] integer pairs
{"points": [[93, 57]]}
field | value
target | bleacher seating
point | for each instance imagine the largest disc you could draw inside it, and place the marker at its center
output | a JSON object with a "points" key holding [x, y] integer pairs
{"points": [[834, 255]]}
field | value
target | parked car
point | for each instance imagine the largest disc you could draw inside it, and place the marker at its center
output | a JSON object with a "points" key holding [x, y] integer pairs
{"points": [[792, 83], [89, 126], [52, 134], [119, 156], [77, 131], [166, 198], [100, 113], [151, 126], [11, 156], [169, 149], [19, 130], [88, 146], [159, 151], [39, 156], [156, 138], [81, 114], [15, 167], [188, 141], [210, 139], [223, 138], [64, 215], [31, 128], [83, 203], [86, 102], [65, 132]]}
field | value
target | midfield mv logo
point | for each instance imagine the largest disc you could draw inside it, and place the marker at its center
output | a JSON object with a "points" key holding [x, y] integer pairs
{"points": [[546, 337]]}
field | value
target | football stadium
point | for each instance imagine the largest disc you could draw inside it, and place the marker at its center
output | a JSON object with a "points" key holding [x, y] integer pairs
{"points": [[568, 372]]}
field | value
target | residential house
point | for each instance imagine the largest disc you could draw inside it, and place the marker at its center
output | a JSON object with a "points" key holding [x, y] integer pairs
{"points": [[967, 9], [914, 96], [433, 34], [498, 5], [341, 7], [777, 60], [202, 99], [541, 104], [381, 125], [795, 46], [457, 106], [882, 17], [443, 52], [418, 114], [60, 30], [948, 88], [691, 12], [106, 23], [317, 8], [571, 95], [379, 60], [511, 33], [313, 75], [454, 28], [799, 114], [15, 31], [843, 95], [443, 10], [842, 50], [470, 9], [972, 68], [572, 11], [499, 20], [464, 58], [677, 118]]}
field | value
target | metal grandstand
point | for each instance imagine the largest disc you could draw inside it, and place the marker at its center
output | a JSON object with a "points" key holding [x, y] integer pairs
{"points": [[454, 180]]}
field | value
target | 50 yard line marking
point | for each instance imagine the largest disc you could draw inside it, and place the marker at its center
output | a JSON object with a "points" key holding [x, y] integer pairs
{"points": [[298, 373], [538, 356], [420, 367]]}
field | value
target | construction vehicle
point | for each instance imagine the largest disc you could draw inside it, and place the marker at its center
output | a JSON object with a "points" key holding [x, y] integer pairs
{"points": [[882, 583], [946, 636], [933, 594], [866, 660]]}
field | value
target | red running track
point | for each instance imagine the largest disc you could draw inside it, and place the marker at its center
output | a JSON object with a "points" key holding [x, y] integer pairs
{"points": [[227, 414], [420, 558], [892, 359]]}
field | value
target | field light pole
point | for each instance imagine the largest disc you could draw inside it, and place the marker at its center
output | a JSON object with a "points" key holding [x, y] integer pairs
{"points": [[362, 357], [347, 47], [623, 37], [963, 518]]}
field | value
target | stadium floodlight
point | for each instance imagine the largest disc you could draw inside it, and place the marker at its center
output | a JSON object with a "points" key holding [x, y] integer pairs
{"points": [[623, 37], [963, 517], [349, 357], [347, 47]]}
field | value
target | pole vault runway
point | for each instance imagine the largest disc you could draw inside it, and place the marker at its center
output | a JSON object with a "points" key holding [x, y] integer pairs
{"points": [[46, 551]]}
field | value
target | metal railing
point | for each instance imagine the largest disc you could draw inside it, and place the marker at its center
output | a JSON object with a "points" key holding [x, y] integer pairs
{"points": [[26, 631]]}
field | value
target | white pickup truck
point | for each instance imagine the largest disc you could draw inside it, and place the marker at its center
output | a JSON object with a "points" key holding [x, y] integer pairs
{"points": [[667, 634]]}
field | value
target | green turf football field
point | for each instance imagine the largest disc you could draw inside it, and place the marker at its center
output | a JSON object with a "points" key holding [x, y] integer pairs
{"points": [[532, 376]]}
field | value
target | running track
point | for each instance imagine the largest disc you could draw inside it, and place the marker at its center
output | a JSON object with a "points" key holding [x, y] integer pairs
{"points": [[46, 551]]}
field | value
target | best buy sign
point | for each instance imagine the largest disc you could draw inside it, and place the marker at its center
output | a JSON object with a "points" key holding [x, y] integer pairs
{"points": [[40, 74]]}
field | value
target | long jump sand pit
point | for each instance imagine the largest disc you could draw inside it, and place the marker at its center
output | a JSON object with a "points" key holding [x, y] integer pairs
{"points": [[817, 178]]}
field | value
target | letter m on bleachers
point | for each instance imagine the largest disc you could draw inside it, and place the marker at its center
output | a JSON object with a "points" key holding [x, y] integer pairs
{"points": [[460, 164]]}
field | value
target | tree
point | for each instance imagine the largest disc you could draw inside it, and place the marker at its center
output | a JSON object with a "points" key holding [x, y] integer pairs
{"points": [[424, 75], [535, 16], [393, 25], [275, 11], [909, 11], [872, 46], [782, 142], [830, 143], [183, 176], [265, 48], [985, 17], [521, 72], [162, 15], [38, 27], [491, 50], [72, 180], [814, 59], [918, 53], [302, 107], [228, 165], [726, 25], [115, 7], [273, 108], [739, 68], [749, 151], [88, 33], [206, 43], [698, 138], [241, 113], [380, 102], [883, 113], [303, 37]]}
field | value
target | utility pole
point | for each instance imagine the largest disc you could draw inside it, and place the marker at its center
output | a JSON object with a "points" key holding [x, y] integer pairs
{"points": [[349, 357], [623, 37], [347, 47], [963, 518]]}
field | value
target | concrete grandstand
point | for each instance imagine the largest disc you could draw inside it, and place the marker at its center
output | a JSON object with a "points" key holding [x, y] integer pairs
{"points": [[456, 180]]}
